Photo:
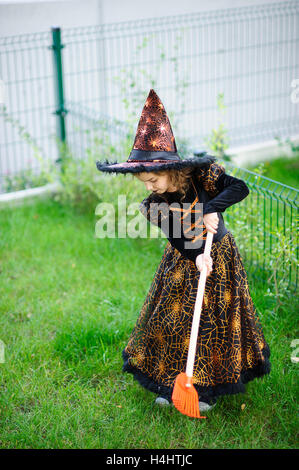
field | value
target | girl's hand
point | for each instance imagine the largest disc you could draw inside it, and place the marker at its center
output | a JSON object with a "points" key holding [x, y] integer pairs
{"points": [[202, 260], [211, 222]]}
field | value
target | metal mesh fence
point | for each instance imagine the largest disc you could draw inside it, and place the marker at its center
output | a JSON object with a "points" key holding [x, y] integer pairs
{"points": [[248, 54]]}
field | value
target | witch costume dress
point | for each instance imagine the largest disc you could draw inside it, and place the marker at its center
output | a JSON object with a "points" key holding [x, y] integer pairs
{"points": [[231, 349]]}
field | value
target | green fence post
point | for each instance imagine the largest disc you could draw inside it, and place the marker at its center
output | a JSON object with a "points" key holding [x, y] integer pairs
{"points": [[59, 91]]}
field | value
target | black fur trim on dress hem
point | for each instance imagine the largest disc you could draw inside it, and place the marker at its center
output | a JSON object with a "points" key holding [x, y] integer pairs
{"points": [[209, 394]]}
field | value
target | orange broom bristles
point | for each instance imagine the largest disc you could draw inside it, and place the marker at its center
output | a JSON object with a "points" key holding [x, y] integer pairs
{"points": [[185, 397]]}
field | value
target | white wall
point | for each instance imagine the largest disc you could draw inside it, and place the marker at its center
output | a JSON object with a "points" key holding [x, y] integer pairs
{"points": [[17, 17], [126, 10], [25, 16]]}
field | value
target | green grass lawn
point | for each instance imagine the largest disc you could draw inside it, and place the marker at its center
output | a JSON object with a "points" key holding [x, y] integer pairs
{"points": [[282, 169], [68, 304]]}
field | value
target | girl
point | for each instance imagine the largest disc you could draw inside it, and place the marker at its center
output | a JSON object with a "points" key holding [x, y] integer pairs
{"points": [[231, 348]]}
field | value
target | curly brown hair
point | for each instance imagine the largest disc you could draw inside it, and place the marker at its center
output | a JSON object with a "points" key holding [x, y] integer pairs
{"points": [[180, 179]]}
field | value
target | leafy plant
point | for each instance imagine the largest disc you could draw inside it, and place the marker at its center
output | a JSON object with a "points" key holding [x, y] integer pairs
{"points": [[280, 260], [27, 178], [217, 142], [294, 147], [24, 179]]}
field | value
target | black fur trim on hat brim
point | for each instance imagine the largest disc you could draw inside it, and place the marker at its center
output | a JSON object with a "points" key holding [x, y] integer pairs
{"points": [[127, 167]]}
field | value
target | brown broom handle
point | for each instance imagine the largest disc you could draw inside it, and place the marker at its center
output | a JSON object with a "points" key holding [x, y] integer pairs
{"points": [[197, 309]]}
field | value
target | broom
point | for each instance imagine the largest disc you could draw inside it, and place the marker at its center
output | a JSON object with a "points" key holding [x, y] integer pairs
{"points": [[184, 395]]}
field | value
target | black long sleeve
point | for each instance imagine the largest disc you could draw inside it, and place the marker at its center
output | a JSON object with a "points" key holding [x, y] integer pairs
{"points": [[231, 190]]}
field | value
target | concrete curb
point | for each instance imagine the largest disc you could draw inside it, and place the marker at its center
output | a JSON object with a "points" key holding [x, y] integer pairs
{"points": [[19, 198], [262, 151]]}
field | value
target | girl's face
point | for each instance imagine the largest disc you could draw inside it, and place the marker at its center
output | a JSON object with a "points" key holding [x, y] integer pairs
{"points": [[155, 182]]}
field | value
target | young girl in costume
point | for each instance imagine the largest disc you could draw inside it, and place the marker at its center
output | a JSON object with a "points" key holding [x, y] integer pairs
{"points": [[231, 348]]}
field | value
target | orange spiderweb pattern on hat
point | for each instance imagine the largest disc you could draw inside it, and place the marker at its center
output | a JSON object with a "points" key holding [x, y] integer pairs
{"points": [[154, 132]]}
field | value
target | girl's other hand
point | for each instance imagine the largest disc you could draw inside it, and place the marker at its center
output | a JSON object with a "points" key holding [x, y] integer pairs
{"points": [[202, 260], [211, 222]]}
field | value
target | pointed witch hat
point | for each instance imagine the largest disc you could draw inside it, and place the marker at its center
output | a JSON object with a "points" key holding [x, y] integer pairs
{"points": [[154, 146]]}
